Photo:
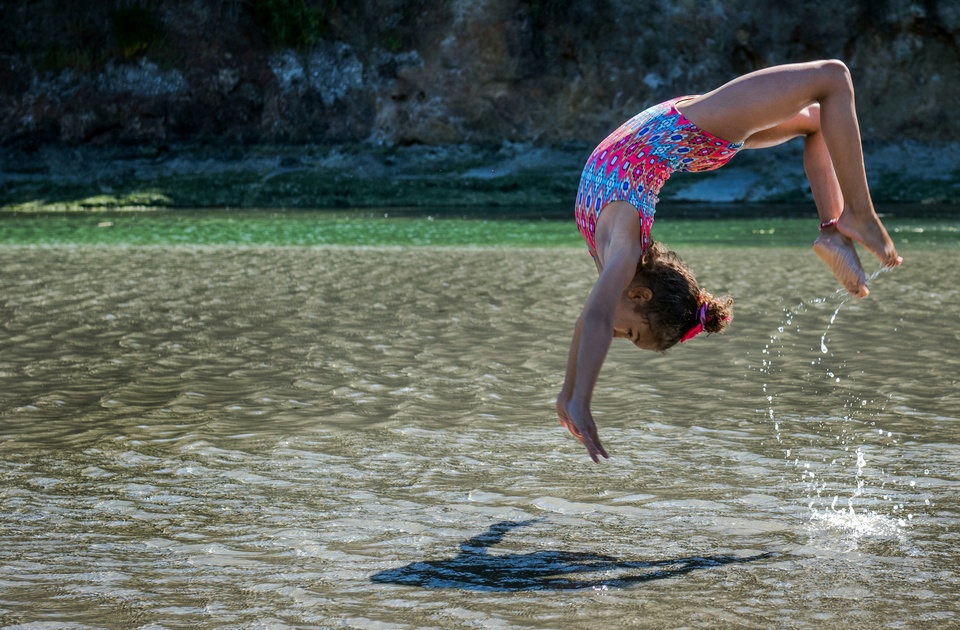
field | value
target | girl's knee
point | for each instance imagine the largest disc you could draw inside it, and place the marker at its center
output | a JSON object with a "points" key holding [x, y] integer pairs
{"points": [[836, 74]]}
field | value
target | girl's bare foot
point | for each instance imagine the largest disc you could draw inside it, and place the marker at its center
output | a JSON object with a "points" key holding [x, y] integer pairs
{"points": [[839, 253], [871, 235]]}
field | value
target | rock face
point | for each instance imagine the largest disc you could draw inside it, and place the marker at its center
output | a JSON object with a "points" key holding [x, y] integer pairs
{"points": [[434, 72]]}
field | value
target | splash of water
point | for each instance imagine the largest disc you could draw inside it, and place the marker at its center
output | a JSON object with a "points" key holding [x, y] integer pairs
{"points": [[833, 318], [766, 366], [852, 518], [859, 525], [845, 298]]}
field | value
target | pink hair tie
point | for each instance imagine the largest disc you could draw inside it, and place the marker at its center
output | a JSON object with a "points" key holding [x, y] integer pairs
{"points": [[697, 328]]}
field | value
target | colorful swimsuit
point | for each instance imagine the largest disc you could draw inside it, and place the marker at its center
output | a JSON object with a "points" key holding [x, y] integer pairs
{"points": [[634, 161]]}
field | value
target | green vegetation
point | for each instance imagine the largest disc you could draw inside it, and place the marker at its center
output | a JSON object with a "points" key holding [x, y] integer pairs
{"points": [[81, 46], [292, 23], [135, 30], [87, 41]]}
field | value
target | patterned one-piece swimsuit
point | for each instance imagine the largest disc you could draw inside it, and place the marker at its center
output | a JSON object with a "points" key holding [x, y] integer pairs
{"points": [[634, 161]]}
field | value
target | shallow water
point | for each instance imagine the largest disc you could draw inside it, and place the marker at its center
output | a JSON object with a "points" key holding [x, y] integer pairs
{"points": [[364, 437]]}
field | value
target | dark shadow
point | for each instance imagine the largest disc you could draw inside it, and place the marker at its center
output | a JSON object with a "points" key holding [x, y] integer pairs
{"points": [[476, 569]]}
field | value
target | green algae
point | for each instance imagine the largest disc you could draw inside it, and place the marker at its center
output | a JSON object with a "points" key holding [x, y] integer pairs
{"points": [[445, 227]]}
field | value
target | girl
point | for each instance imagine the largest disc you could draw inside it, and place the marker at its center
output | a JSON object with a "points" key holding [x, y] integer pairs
{"points": [[644, 292]]}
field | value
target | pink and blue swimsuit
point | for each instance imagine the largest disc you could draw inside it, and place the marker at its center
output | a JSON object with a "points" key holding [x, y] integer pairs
{"points": [[634, 161]]}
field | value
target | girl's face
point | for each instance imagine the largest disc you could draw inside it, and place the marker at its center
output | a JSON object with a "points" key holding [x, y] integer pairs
{"points": [[629, 323]]}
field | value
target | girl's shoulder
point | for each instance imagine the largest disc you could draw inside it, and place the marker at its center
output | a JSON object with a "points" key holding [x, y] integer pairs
{"points": [[618, 228]]}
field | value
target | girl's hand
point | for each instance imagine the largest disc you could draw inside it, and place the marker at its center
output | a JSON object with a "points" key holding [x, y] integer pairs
{"points": [[579, 421]]}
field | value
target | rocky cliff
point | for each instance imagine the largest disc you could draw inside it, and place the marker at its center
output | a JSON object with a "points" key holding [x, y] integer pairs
{"points": [[440, 72], [337, 103]]}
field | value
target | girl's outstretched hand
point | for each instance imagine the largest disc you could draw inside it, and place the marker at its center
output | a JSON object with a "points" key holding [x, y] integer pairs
{"points": [[579, 421]]}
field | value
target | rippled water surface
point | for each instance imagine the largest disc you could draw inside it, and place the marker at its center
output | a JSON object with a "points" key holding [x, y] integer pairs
{"points": [[365, 437]]}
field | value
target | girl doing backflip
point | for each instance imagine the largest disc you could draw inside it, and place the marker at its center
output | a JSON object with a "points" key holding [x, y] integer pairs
{"points": [[644, 292]]}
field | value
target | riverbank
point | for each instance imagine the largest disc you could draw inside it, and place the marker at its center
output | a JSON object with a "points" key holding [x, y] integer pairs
{"points": [[912, 227], [419, 176]]}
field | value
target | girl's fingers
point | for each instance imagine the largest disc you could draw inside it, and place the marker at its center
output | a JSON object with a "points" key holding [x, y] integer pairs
{"points": [[589, 439], [593, 446]]}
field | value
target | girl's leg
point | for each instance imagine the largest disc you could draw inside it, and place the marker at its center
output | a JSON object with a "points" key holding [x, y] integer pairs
{"points": [[762, 100], [835, 249]]}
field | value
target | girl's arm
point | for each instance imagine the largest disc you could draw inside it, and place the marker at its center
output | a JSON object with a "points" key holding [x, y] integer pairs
{"points": [[591, 342], [571, 374]]}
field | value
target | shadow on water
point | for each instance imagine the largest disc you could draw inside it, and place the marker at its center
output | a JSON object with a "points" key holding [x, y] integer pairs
{"points": [[476, 569]]}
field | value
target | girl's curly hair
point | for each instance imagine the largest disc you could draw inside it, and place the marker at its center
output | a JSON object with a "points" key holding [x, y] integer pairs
{"points": [[677, 298]]}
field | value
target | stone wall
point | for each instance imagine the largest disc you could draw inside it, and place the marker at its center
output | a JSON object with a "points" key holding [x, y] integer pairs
{"points": [[436, 72]]}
